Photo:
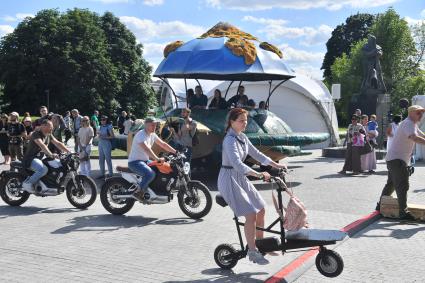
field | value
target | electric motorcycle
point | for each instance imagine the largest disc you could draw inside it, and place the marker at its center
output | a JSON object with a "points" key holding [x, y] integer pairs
{"points": [[172, 177], [62, 177]]}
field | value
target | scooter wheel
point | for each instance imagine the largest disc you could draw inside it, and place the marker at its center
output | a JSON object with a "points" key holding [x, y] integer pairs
{"points": [[329, 263], [225, 256]]}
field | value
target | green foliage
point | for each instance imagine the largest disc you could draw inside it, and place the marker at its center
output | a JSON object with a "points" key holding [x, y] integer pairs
{"points": [[401, 72], [394, 36], [355, 28], [347, 70], [84, 60], [414, 85]]}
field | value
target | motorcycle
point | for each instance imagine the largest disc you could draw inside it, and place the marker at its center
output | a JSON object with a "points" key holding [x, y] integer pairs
{"points": [[62, 176], [172, 176]]}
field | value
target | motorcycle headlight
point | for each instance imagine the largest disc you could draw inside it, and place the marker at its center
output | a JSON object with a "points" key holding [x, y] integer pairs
{"points": [[186, 168]]}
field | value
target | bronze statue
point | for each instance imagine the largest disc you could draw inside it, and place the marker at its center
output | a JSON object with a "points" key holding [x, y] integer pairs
{"points": [[372, 82]]}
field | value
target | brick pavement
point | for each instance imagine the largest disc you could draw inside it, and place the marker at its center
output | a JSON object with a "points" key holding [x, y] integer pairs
{"points": [[47, 240]]}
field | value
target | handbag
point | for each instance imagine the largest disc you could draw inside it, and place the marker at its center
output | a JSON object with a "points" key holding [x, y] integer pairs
{"points": [[295, 216], [367, 148]]}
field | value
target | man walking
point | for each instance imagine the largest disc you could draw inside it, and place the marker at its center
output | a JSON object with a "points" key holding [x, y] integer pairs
{"points": [[76, 117], [398, 158]]}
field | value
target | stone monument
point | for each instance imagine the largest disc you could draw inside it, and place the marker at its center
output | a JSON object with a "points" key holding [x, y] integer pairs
{"points": [[373, 98]]}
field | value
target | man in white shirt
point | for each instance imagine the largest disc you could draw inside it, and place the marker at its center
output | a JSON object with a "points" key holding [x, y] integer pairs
{"points": [[141, 155], [398, 158]]}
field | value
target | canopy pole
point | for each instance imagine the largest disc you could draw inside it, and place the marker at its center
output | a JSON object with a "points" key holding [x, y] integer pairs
{"points": [[172, 90], [227, 90], [202, 91], [272, 91], [185, 89], [237, 90]]}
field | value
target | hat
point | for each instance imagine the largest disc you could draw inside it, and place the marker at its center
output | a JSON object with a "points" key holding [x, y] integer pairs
{"points": [[414, 108], [14, 114], [27, 119], [151, 120]]}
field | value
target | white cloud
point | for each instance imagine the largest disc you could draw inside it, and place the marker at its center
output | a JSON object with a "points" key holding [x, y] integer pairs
{"points": [[296, 55], [153, 2], [8, 19], [413, 22], [17, 17], [147, 29], [276, 28], [21, 16], [302, 61], [153, 50], [265, 21], [423, 13], [5, 29], [249, 5]]}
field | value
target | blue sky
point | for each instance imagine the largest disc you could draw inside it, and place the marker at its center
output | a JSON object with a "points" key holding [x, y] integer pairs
{"points": [[299, 27]]}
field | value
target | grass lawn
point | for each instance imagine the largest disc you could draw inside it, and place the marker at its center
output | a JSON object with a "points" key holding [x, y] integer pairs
{"points": [[115, 153]]}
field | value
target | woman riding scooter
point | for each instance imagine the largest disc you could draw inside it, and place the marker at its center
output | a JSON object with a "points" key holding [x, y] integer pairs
{"points": [[242, 197]]}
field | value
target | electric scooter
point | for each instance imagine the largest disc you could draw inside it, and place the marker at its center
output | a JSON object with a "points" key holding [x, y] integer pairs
{"points": [[328, 262]]}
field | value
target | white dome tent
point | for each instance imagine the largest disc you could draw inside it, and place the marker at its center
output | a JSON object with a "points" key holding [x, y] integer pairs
{"points": [[305, 104]]}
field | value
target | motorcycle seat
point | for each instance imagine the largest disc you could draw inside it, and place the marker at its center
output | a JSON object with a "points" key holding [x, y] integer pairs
{"points": [[16, 164], [220, 200], [124, 169]]}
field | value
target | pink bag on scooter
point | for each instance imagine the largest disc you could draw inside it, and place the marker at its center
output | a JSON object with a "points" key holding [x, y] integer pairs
{"points": [[295, 216]]}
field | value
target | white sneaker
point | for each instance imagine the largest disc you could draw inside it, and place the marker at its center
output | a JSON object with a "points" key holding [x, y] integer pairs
{"points": [[257, 257], [150, 195], [28, 187]]}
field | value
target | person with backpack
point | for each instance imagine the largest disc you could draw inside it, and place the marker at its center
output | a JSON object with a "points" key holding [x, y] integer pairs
{"points": [[186, 137]]}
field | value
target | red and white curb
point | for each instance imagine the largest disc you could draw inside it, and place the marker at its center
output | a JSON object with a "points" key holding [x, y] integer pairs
{"points": [[302, 263]]}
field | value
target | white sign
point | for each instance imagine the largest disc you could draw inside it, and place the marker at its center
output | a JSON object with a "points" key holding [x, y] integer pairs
{"points": [[336, 91]]}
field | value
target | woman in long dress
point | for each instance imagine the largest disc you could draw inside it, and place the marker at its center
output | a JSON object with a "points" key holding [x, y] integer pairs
{"points": [[241, 196], [368, 160], [352, 154]]}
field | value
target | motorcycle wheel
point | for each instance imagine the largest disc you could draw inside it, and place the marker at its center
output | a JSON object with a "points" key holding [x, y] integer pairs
{"points": [[198, 206], [81, 197], [11, 189], [111, 204]]}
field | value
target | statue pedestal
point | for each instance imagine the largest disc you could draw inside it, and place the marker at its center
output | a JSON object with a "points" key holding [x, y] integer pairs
{"points": [[382, 110]]}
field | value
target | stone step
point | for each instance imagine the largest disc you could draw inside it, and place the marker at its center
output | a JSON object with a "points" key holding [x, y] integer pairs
{"points": [[389, 208]]}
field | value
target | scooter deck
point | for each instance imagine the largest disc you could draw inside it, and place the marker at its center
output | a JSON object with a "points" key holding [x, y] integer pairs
{"points": [[316, 235]]}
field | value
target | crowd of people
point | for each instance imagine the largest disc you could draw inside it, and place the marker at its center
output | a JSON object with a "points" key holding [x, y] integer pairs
{"points": [[197, 100], [402, 135], [16, 134]]}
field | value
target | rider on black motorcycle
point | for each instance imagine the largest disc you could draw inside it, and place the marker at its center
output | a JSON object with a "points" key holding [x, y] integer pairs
{"points": [[39, 141], [141, 155]]}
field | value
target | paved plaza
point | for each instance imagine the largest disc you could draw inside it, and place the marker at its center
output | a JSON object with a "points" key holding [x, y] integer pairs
{"points": [[47, 240]]}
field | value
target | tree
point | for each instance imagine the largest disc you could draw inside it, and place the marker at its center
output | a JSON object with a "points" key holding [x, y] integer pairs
{"points": [[347, 70], [355, 28], [80, 59], [398, 65], [394, 36]]}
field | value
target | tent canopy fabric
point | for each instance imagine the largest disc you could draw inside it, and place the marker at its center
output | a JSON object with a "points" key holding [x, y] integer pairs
{"points": [[210, 59]]}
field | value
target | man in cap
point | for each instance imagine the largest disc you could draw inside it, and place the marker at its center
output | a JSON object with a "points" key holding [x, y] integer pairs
{"points": [[399, 156], [141, 155]]}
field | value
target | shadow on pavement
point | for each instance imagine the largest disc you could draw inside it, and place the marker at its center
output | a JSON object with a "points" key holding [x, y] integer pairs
{"points": [[419, 191], [177, 221], [339, 176], [411, 229], [103, 223], [225, 276], [7, 211]]}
